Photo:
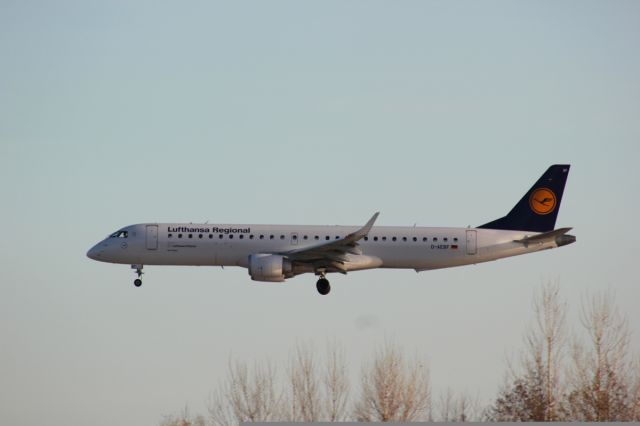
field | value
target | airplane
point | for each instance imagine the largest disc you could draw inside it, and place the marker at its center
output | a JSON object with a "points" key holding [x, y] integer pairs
{"points": [[274, 253]]}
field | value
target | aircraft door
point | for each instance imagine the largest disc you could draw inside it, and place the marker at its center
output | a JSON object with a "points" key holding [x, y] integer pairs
{"points": [[152, 237], [472, 245]]}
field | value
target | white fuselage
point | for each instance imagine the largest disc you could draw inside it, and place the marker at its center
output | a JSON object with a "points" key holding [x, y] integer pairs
{"points": [[418, 248]]}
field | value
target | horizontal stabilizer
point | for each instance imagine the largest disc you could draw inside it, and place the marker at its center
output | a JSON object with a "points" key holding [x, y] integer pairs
{"points": [[558, 235]]}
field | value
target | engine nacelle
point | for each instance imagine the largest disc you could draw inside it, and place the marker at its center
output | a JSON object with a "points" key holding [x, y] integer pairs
{"points": [[269, 267]]}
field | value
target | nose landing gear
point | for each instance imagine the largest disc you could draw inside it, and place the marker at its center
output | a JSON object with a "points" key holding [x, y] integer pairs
{"points": [[138, 282]]}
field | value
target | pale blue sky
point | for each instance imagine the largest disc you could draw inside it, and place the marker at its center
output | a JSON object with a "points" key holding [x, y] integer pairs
{"points": [[436, 113]]}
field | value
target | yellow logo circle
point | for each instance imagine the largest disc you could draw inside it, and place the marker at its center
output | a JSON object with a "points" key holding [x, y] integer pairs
{"points": [[542, 201]]}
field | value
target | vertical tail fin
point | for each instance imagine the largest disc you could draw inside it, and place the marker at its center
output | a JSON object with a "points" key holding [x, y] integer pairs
{"points": [[538, 209]]}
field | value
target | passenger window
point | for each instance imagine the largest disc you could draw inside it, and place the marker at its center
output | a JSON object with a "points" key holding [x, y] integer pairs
{"points": [[262, 237], [455, 238], [170, 235], [210, 236], [393, 239], [384, 238], [424, 239], [251, 237], [179, 235], [200, 236], [337, 237], [326, 238], [271, 237], [282, 237], [415, 238], [231, 236], [316, 238], [404, 238], [435, 239], [241, 236], [375, 238], [220, 236], [305, 237], [190, 235], [366, 238]]}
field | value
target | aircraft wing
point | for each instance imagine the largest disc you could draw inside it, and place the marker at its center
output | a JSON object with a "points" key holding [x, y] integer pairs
{"points": [[332, 254]]}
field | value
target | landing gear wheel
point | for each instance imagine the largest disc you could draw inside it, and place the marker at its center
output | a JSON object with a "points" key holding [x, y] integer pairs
{"points": [[138, 282], [323, 286]]}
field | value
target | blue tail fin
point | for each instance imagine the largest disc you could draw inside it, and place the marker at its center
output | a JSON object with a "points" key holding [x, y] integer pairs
{"points": [[538, 209]]}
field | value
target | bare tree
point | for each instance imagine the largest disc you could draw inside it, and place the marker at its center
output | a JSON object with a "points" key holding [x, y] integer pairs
{"points": [[255, 394], [183, 419], [602, 372], [445, 406], [547, 342], [313, 395], [247, 396], [336, 384], [393, 390], [635, 394], [457, 408], [305, 390], [535, 392]]}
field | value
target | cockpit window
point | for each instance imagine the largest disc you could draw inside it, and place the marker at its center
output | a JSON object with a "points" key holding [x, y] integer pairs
{"points": [[119, 234]]}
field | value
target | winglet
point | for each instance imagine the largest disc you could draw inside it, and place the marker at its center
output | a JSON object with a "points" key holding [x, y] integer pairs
{"points": [[367, 227], [362, 232]]}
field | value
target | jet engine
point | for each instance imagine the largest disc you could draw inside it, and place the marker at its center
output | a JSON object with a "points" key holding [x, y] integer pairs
{"points": [[269, 267]]}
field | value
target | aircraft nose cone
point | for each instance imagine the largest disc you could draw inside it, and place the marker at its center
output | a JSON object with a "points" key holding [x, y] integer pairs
{"points": [[95, 252]]}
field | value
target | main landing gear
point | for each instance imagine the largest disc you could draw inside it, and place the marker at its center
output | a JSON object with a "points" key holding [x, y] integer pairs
{"points": [[323, 285], [137, 282]]}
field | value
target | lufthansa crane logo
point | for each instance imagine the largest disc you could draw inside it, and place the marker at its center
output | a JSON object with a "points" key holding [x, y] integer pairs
{"points": [[542, 201]]}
